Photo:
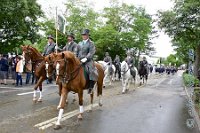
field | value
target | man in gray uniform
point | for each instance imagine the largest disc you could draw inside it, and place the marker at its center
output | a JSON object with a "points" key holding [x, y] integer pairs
{"points": [[108, 60], [85, 54], [130, 61], [71, 45], [50, 47]]}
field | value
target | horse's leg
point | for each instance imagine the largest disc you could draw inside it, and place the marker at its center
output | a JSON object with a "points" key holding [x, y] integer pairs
{"points": [[140, 79], [91, 101], [123, 86], [110, 77], [40, 87], [40, 98], [128, 84], [104, 80], [80, 95], [61, 106], [99, 92], [35, 92]]}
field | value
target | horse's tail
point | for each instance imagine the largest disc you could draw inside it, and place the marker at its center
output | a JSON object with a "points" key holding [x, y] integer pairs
{"points": [[100, 79]]}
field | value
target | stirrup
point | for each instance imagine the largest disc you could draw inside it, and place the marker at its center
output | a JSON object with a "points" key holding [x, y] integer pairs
{"points": [[90, 90]]}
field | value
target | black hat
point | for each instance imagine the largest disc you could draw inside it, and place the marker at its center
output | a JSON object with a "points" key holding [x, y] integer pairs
{"points": [[50, 36], [71, 35], [85, 32]]}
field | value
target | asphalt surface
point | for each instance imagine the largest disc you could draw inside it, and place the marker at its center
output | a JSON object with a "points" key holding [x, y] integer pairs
{"points": [[157, 107]]}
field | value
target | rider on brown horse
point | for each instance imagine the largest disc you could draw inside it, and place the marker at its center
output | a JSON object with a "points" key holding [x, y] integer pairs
{"points": [[71, 45], [86, 53], [50, 47]]}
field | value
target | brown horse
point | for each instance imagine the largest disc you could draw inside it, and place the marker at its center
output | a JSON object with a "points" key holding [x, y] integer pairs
{"points": [[70, 73], [38, 63]]}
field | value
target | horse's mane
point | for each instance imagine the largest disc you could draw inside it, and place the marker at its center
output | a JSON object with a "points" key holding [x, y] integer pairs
{"points": [[35, 51], [71, 57]]}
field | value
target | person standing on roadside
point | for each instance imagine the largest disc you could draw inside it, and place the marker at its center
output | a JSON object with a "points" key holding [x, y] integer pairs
{"points": [[4, 69], [19, 71]]}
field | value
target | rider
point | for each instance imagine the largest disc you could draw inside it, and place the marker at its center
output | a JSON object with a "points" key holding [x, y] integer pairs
{"points": [[117, 62], [130, 61], [50, 47], [145, 61], [71, 45], [85, 54], [108, 60]]}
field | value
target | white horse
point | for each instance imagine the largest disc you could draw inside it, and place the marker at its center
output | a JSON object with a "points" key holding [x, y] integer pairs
{"points": [[107, 72], [127, 77]]}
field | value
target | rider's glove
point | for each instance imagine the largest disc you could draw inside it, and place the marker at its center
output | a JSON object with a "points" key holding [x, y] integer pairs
{"points": [[83, 60]]}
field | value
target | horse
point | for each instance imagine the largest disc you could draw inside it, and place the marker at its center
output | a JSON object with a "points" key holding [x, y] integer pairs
{"points": [[38, 65], [50, 67], [143, 72], [107, 71], [71, 74], [118, 70]]}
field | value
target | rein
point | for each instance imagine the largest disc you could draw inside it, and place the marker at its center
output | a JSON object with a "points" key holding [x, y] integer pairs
{"points": [[124, 72], [72, 75]]}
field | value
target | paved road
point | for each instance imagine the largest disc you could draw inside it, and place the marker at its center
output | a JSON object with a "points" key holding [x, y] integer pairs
{"points": [[158, 107]]}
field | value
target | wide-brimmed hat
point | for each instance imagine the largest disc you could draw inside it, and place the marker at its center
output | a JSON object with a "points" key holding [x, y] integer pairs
{"points": [[71, 35], [50, 36], [85, 32], [106, 54]]}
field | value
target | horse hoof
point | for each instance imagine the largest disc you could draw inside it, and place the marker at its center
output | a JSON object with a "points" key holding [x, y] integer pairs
{"points": [[39, 100], [57, 127], [34, 100], [100, 104], [89, 111], [58, 107], [80, 117]]}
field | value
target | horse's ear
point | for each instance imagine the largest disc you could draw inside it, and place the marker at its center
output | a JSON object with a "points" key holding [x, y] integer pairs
{"points": [[49, 57], [63, 55]]}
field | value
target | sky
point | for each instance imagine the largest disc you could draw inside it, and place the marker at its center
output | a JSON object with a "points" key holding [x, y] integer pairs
{"points": [[162, 43]]}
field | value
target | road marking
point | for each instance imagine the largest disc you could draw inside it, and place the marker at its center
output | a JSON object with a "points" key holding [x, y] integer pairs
{"points": [[51, 122], [26, 93]]}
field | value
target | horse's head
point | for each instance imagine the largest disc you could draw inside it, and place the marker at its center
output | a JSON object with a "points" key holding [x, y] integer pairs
{"points": [[27, 54], [49, 64], [65, 62], [124, 67], [31, 53]]}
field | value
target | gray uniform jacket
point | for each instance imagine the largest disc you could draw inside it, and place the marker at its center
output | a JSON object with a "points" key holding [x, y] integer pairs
{"points": [[108, 59], [130, 61], [87, 50], [73, 47], [117, 60], [49, 49]]}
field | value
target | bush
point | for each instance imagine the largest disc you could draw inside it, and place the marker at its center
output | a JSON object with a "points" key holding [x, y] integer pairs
{"points": [[190, 80]]}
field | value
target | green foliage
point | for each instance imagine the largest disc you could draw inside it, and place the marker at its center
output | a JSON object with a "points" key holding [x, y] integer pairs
{"points": [[190, 80], [173, 60], [182, 25], [18, 22]]}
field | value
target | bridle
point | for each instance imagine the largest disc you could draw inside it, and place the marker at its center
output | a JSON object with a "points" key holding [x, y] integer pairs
{"points": [[125, 71], [67, 77]]}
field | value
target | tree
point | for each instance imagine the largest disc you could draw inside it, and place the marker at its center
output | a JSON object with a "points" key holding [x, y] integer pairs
{"points": [[18, 23], [182, 25]]}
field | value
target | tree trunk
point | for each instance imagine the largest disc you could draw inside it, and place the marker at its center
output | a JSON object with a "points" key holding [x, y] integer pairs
{"points": [[197, 60]]}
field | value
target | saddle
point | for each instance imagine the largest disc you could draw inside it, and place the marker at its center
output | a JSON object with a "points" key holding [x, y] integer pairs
{"points": [[132, 72]]}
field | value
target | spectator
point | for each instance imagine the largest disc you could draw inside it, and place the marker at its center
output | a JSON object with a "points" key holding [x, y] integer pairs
{"points": [[19, 71], [28, 71], [4, 69], [13, 64], [1, 81]]}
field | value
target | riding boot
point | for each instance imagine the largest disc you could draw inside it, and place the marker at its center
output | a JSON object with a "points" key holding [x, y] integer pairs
{"points": [[91, 86]]}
